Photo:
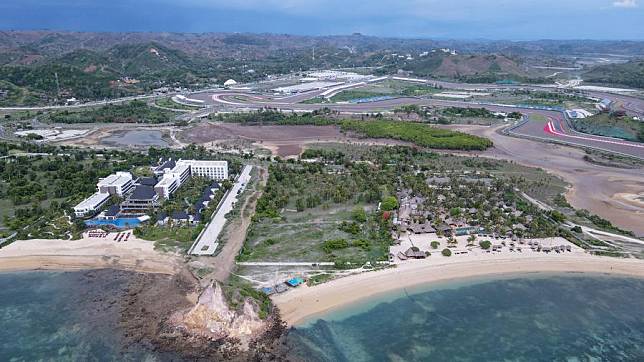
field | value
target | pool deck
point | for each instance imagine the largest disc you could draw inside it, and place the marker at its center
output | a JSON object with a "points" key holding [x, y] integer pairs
{"points": [[206, 243]]}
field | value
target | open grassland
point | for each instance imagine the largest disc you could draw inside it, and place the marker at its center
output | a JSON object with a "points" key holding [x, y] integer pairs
{"points": [[393, 88], [169, 103], [313, 213], [605, 124], [421, 134], [300, 236]]}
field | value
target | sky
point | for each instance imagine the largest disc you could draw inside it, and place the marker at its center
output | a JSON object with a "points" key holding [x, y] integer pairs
{"points": [[438, 19]]}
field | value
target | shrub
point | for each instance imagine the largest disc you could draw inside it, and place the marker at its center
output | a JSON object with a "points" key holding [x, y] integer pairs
{"points": [[485, 244], [359, 214], [335, 244], [418, 133], [446, 252], [435, 244], [361, 243]]}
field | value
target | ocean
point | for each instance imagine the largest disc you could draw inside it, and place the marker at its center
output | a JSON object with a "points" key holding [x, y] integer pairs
{"points": [[571, 317], [77, 316], [64, 316]]}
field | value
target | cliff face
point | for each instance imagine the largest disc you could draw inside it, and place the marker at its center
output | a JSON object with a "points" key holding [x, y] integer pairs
{"points": [[212, 318]]}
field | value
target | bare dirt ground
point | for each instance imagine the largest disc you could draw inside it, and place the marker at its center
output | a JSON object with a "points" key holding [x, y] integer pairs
{"points": [[283, 141], [235, 233], [210, 131], [615, 194], [280, 140]]}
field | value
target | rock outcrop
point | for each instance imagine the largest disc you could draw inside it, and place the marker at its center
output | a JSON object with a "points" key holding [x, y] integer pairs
{"points": [[212, 318]]}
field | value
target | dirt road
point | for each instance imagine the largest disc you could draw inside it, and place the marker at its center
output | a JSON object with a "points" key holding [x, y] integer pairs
{"points": [[235, 233]]}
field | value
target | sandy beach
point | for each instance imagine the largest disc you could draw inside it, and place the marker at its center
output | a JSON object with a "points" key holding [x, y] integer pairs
{"points": [[87, 253], [301, 304]]}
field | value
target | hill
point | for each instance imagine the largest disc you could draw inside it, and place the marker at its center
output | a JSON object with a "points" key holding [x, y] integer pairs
{"points": [[630, 74], [466, 68], [92, 66]]}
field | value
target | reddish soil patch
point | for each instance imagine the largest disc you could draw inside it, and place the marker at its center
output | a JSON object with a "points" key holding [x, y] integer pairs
{"points": [[208, 132]]}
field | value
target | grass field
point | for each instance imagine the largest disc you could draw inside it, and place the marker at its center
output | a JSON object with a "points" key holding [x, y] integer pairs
{"points": [[169, 238], [392, 88], [300, 236], [605, 124], [169, 103]]}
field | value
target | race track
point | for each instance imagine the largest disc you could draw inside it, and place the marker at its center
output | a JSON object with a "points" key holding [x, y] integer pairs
{"points": [[556, 129]]}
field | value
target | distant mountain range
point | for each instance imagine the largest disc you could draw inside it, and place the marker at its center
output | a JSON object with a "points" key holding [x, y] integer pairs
{"points": [[44, 67]]}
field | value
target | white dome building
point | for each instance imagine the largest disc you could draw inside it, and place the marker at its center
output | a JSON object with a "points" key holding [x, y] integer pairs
{"points": [[229, 83]]}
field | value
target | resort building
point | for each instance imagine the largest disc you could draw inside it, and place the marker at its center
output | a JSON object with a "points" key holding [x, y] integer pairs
{"points": [[167, 186], [91, 205], [111, 213], [175, 173], [165, 166], [143, 198], [119, 184], [146, 193], [214, 170]]}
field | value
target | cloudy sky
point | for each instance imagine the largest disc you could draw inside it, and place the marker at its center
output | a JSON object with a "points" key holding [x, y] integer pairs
{"points": [[469, 19]]}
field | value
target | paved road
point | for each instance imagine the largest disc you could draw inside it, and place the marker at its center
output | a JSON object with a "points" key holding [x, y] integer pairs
{"points": [[555, 129], [207, 243], [88, 104]]}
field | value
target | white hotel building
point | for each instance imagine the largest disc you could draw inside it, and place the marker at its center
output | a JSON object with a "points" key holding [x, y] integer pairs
{"points": [[174, 177], [118, 184], [91, 204]]}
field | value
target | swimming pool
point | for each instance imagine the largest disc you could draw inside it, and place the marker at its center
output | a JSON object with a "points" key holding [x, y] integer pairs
{"points": [[120, 223]]}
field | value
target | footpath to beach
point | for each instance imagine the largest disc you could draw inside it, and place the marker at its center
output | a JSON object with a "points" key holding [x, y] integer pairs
{"points": [[87, 253], [305, 303]]}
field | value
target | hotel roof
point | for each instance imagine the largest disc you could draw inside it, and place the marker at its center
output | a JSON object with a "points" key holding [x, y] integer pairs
{"points": [[179, 215], [167, 164], [148, 181], [93, 200], [143, 192], [116, 179]]}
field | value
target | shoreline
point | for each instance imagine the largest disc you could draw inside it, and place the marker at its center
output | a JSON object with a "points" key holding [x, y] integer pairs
{"points": [[85, 254], [305, 303]]}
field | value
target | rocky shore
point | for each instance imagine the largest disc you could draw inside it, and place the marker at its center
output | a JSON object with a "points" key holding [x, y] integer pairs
{"points": [[173, 318]]}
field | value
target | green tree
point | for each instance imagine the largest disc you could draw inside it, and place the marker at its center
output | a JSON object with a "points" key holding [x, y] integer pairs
{"points": [[389, 203], [446, 252]]}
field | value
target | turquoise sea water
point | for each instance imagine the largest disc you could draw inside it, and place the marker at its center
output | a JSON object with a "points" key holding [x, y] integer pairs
{"points": [[55, 316], [529, 318]]}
